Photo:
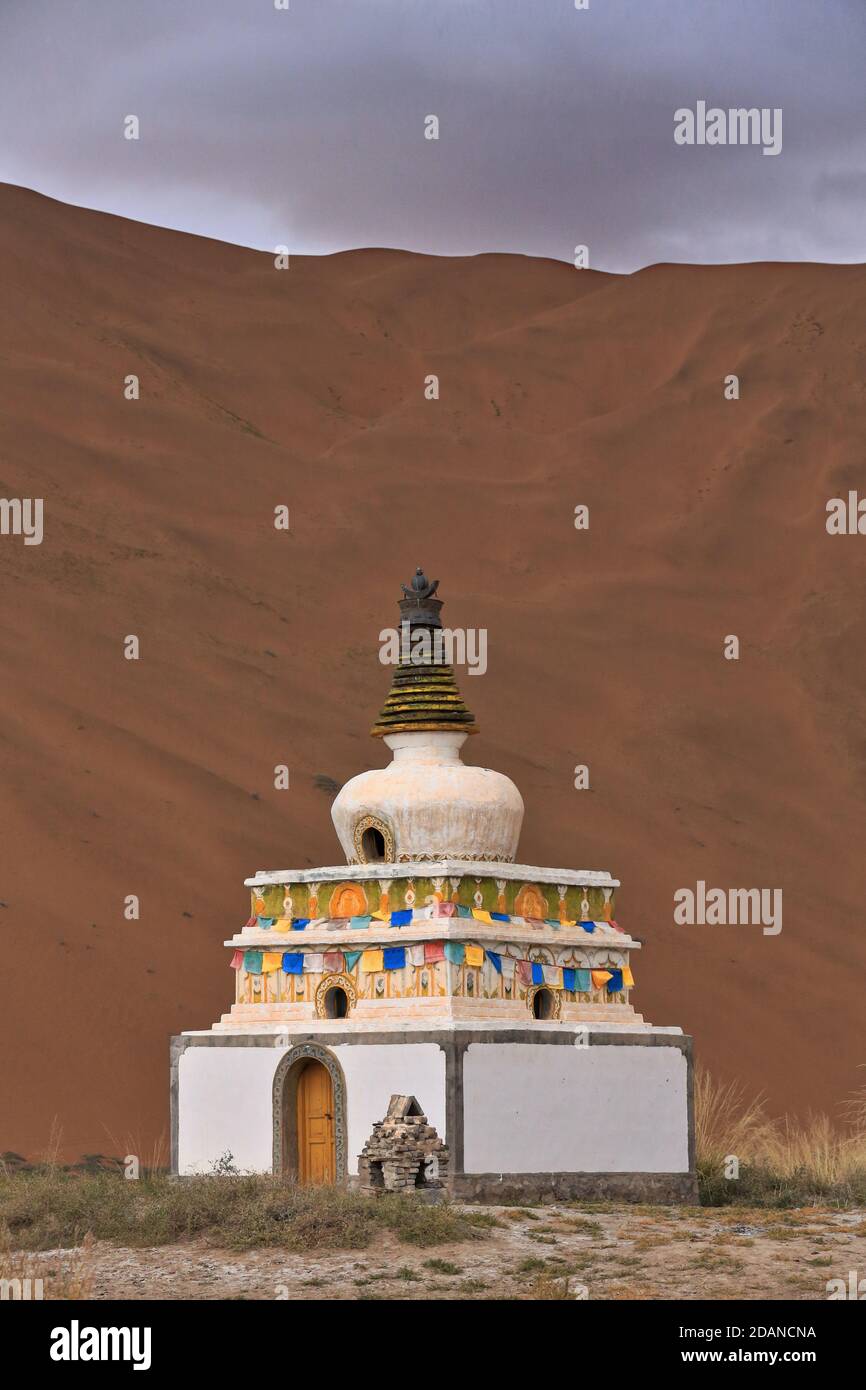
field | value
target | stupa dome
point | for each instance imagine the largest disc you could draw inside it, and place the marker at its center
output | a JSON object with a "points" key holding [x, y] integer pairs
{"points": [[427, 803]]}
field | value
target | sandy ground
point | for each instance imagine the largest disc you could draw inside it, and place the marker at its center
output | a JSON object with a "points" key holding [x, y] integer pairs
{"points": [[258, 648], [623, 1253]]}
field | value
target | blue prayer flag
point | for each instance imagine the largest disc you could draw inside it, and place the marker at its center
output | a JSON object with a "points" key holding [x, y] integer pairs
{"points": [[537, 974], [495, 961], [293, 962], [587, 926], [500, 917], [401, 918], [568, 978], [614, 984]]}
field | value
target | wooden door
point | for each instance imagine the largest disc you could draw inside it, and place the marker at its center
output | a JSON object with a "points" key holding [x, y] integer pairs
{"points": [[317, 1161]]}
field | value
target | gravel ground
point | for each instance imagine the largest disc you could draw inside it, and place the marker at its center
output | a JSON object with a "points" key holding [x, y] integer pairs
{"points": [[543, 1252]]}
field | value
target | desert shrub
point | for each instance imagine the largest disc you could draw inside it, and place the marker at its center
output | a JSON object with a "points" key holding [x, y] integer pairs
{"points": [[48, 1208], [782, 1163]]}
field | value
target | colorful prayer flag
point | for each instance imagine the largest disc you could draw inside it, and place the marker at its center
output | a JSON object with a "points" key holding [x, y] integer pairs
{"points": [[371, 961], [394, 958], [293, 962], [495, 961], [454, 952], [474, 955], [253, 962]]}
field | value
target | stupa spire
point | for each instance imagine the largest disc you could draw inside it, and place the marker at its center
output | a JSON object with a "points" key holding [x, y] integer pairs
{"points": [[424, 695]]}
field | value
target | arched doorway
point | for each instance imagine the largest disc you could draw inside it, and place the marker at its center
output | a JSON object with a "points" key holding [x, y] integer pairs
{"points": [[336, 1002], [544, 1003], [310, 1116], [315, 1125], [336, 996]]}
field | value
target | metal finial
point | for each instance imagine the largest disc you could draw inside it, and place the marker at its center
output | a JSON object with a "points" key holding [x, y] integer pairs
{"points": [[421, 586]]}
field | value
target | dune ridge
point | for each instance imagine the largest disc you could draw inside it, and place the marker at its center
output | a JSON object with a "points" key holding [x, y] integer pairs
{"points": [[306, 387]]}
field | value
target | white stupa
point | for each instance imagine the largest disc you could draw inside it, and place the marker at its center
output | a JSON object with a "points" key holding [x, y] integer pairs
{"points": [[435, 994]]}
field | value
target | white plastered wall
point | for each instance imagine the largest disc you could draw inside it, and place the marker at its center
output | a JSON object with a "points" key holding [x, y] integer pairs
{"points": [[224, 1106], [374, 1073], [225, 1103], [530, 1108]]}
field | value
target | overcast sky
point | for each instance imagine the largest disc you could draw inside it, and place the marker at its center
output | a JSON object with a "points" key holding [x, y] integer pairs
{"points": [[306, 127]]}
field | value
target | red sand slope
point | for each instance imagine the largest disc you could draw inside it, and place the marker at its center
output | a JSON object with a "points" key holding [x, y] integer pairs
{"points": [[305, 387]]}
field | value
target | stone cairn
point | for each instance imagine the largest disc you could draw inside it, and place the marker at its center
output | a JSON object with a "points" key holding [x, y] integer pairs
{"points": [[404, 1152]]}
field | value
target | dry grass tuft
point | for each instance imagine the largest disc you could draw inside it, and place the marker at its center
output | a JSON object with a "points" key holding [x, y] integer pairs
{"points": [[50, 1208], [782, 1163]]}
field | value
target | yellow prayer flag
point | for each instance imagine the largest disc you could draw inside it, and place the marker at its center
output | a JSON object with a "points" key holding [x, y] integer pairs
{"points": [[600, 978], [271, 960], [371, 961], [567, 922], [481, 916], [627, 976], [283, 924], [474, 955], [381, 916]]}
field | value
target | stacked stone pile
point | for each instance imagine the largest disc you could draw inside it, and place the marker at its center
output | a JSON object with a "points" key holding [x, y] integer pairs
{"points": [[404, 1152]]}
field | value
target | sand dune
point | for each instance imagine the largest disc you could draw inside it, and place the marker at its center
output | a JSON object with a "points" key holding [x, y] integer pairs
{"points": [[305, 387]]}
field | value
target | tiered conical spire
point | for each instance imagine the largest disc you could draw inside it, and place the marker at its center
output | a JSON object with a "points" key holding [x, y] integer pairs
{"points": [[424, 696]]}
